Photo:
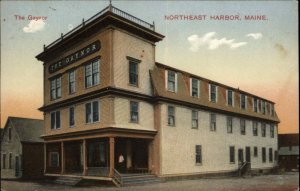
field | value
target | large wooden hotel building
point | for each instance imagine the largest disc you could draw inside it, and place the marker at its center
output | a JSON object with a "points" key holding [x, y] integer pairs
{"points": [[110, 108]]}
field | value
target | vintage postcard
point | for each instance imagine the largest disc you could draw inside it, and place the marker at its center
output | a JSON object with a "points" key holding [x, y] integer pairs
{"points": [[149, 95]]}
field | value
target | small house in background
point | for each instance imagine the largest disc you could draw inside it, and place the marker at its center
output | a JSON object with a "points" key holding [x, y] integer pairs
{"points": [[288, 145], [22, 149]]}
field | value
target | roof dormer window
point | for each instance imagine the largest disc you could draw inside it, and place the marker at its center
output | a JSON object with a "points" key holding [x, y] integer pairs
{"points": [[171, 81]]}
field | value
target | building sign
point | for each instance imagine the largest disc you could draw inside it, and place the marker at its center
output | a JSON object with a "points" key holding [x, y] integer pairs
{"points": [[91, 48]]}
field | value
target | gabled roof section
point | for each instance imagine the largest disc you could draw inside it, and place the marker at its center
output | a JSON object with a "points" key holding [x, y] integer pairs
{"points": [[28, 130], [183, 97], [108, 16]]}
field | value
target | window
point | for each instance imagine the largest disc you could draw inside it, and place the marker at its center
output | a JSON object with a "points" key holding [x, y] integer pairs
{"points": [[263, 154], [213, 93], [195, 119], [255, 105], [270, 155], [243, 101], [263, 107], [213, 124], [171, 81], [254, 126], [255, 152], [9, 133], [258, 105], [133, 73], [102, 152], [267, 108], [97, 154], [92, 112], [72, 116], [55, 120], [3, 161], [194, 87], [263, 129], [272, 110], [171, 116], [243, 126], [92, 73], [229, 124], [54, 159], [55, 87], [272, 131], [72, 82], [198, 154], [10, 161], [134, 112], [230, 99], [231, 154]]}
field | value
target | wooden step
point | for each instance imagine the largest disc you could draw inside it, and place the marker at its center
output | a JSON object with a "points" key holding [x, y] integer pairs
{"points": [[139, 179], [70, 181]]}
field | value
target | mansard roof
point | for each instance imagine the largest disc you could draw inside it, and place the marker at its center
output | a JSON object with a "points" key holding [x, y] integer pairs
{"points": [[183, 94]]}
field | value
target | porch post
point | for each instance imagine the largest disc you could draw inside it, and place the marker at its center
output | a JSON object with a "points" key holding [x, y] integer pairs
{"points": [[62, 158], [45, 158], [111, 156], [84, 173]]}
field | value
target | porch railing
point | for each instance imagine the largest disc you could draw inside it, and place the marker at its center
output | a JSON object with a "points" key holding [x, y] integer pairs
{"points": [[132, 18], [108, 8], [118, 177]]}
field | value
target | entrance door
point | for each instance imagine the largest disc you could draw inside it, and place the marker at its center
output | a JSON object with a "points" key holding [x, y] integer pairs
{"points": [[140, 155], [131, 155], [248, 154], [17, 169]]}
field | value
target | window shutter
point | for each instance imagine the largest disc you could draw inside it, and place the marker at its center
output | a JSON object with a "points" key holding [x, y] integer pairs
{"points": [[191, 86], [198, 81], [209, 91], [176, 83], [226, 97], [166, 79], [233, 98], [216, 94]]}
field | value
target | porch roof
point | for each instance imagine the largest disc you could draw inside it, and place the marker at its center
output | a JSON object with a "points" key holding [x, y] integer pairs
{"points": [[101, 132]]}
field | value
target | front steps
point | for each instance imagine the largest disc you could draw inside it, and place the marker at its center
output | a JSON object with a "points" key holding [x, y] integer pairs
{"points": [[138, 179], [66, 180]]}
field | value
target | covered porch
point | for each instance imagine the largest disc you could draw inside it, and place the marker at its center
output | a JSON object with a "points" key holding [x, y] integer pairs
{"points": [[99, 156]]}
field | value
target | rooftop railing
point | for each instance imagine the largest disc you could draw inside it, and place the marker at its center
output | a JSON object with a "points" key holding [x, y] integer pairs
{"points": [[108, 8]]}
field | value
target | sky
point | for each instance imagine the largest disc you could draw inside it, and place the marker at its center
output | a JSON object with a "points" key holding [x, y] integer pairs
{"points": [[258, 56]]}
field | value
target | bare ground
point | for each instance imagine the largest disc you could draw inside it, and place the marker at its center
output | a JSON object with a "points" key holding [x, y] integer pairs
{"points": [[285, 182]]}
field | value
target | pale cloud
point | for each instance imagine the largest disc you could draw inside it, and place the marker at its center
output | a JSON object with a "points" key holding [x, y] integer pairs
{"points": [[256, 36], [212, 42], [34, 26]]}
